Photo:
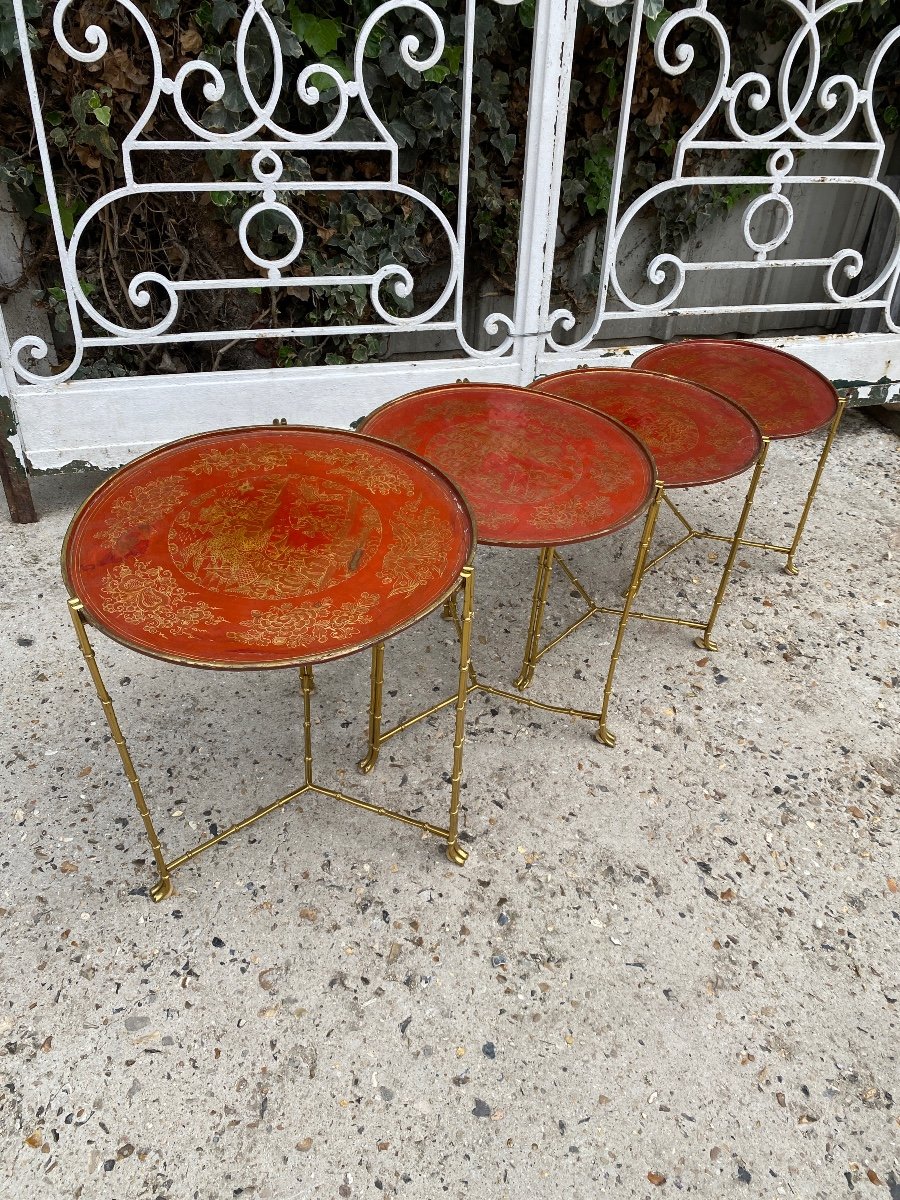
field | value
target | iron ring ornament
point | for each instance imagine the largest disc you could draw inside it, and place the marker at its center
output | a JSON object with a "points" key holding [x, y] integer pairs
{"points": [[268, 192], [836, 113]]}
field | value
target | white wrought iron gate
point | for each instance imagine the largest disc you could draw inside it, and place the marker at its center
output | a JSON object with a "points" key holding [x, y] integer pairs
{"points": [[762, 264]]}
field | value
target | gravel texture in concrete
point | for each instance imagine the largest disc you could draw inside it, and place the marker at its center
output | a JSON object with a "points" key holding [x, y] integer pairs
{"points": [[668, 968]]}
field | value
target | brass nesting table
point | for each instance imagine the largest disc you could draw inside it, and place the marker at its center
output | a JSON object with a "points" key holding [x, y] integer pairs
{"points": [[266, 548]]}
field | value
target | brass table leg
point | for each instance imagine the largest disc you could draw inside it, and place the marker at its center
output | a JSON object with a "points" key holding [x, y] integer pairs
{"points": [[163, 887], [704, 641], [536, 620], [603, 734], [307, 687], [377, 679], [455, 852], [790, 566]]}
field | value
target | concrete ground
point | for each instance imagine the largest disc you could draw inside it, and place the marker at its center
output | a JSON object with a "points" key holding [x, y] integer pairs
{"points": [[668, 968]]}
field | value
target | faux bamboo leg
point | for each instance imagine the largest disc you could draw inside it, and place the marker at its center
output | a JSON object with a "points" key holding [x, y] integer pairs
{"points": [[536, 620], [704, 641], [529, 636], [163, 887], [306, 686], [455, 852], [790, 566], [603, 734], [377, 679]]}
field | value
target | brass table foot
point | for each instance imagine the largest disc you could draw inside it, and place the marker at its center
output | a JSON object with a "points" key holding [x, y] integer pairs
{"points": [[367, 764], [706, 643], [603, 735], [456, 854], [525, 678], [790, 567], [162, 889]]}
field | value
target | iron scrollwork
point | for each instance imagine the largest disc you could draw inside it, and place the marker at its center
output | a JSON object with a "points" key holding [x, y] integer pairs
{"points": [[833, 114], [268, 191]]}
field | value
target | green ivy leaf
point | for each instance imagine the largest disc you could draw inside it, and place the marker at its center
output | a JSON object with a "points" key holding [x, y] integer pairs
{"points": [[506, 144], [67, 214], [325, 83], [598, 182], [444, 104], [655, 23], [223, 11], [322, 36], [233, 99]]}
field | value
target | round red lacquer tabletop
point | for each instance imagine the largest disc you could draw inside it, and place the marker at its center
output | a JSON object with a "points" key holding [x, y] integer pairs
{"points": [[695, 435], [784, 396], [537, 470], [266, 547]]}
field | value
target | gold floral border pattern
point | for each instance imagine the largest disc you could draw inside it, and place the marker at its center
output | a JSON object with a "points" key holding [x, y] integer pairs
{"points": [[309, 624], [239, 460], [142, 506], [419, 550], [363, 467], [149, 597]]}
